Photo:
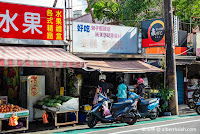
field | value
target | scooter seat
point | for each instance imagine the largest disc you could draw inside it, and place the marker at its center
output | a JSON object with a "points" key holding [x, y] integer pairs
{"points": [[148, 101], [121, 105]]}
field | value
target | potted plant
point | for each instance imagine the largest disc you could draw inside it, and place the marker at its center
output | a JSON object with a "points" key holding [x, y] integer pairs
{"points": [[165, 93], [71, 80]]}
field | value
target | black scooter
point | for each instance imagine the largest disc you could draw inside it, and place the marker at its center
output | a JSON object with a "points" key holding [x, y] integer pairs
{"points": [[195, 99], [124, 112]]}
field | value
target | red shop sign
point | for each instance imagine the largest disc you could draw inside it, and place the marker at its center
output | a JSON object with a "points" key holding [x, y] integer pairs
{"points": [[30, 22]]}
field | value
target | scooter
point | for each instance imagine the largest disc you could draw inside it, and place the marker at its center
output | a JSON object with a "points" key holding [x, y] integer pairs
{"points": [[195, 98], [147, 108], [198, 107], [124, 112]]}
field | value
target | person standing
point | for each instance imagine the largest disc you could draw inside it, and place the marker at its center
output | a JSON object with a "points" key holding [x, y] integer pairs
{"points": [[122, 90]]}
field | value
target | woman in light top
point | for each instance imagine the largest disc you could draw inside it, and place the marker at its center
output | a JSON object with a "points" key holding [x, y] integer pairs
{"points": [[122, 90]]}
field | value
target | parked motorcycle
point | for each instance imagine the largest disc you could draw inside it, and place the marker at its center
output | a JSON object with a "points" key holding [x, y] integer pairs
{"points": [[124, 112], [195, 98], [147, 108]]}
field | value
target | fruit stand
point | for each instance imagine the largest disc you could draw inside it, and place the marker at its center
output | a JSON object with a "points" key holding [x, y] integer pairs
{"points": [[59, 105], [6, 111]]}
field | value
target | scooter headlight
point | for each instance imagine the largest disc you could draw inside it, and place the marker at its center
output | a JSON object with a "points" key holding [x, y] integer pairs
{"points": [[135, 103], [100, 98]]}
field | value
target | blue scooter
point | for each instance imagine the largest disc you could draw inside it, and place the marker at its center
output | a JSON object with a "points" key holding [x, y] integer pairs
{"points": [[147, 108], [120, 112]]}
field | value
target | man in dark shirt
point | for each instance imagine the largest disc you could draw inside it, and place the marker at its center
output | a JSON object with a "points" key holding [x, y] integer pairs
{"points": [[103, 85], [140, 88]]}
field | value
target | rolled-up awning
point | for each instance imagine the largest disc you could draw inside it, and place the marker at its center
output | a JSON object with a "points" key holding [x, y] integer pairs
{"points": [[123, 66], [11, 56]]}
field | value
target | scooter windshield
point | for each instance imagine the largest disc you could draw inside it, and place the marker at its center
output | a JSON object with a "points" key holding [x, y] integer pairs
{"points": [[133, 96], [102, 97]]}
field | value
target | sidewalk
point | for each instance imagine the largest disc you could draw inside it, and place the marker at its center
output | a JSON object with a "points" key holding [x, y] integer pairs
{"points": [[40, 128], [184, 109]]}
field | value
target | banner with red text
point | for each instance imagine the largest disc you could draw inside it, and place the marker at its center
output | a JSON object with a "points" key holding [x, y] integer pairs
{"points": [[30, 22]]}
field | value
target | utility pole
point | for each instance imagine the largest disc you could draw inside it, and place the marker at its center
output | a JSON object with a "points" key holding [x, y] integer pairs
{"points": [[170, 55], [90, 11], [55, 2]]}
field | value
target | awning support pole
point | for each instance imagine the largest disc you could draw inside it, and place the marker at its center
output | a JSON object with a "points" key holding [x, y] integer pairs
{"points": [[65, 81]]}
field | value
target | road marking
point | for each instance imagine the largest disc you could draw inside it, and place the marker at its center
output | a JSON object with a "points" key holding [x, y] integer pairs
{"points": [[137, 125], [154, 127]]}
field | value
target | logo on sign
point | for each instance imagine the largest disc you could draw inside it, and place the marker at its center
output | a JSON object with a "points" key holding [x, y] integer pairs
{"points": [[156, 30]]}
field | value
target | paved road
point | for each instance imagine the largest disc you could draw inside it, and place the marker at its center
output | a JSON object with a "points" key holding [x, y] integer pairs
{"points": [[187, 124], [175, 126]]}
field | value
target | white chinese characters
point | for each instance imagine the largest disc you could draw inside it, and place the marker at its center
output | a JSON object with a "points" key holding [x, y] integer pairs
{"points": [[9, 21], [32, 21]]}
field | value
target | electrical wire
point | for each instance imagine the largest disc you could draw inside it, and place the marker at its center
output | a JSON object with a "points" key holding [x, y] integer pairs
{"points": [[185, 51]]}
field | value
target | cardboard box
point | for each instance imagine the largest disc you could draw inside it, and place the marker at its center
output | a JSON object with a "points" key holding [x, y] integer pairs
{"points": [[4, 99]]}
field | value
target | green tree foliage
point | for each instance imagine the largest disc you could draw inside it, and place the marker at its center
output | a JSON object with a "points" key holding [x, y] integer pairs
{"points": [[105, 10], [131, 12], [134, 11], [185, 9], [126, 12]]}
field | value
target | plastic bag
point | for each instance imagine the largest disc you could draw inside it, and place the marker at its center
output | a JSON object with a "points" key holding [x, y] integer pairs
{"points": [[105, 103], [72, 104], [95, 101], [45, 118], [106, 111], [13, 121]]}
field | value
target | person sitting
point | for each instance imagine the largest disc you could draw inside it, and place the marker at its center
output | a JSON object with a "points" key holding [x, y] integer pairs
{"points": [[140, 87], [122, 90]]}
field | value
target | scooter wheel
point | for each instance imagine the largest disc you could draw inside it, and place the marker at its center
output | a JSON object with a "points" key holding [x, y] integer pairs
{"points": [[191, 105], [198, 109], [92, 121], [133, 121], [153, 117]]}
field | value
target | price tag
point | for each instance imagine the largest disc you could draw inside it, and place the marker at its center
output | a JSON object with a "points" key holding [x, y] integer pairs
{"points": [[61, 90]]}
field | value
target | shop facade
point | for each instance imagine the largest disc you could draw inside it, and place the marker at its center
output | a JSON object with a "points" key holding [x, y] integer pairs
{"points": [[49, 76], [129, 70], [191, 80], [33, 61], [108, 51]]}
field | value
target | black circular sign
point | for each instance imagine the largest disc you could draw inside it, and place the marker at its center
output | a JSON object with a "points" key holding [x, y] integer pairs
{"points": [[157, 32]]}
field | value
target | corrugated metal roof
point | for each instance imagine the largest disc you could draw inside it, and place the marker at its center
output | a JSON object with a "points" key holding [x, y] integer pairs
{"points": [[122, 66]]}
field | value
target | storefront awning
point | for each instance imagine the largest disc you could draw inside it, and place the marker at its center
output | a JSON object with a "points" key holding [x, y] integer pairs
{"points": [[123, 66], [38, 57]]}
